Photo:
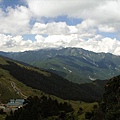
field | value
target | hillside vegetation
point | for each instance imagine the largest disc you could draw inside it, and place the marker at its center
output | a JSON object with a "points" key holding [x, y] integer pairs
{"points": [[111, 100], [109, 107], [20, 81], [45, 108], [41, 109]]}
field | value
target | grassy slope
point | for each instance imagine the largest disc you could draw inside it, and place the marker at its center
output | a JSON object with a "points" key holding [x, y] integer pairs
{"points": [[7, 91], [2, 117]]}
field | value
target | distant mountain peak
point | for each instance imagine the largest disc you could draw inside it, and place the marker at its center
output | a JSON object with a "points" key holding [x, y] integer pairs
{"points": [[82, 63]]}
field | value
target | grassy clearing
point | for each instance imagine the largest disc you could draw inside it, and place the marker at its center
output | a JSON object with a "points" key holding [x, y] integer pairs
{"points": [[2, 61], [2, 117], [87, 107]]}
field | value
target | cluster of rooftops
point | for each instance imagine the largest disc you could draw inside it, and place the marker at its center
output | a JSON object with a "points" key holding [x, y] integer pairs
{"points": [[13, 104]]}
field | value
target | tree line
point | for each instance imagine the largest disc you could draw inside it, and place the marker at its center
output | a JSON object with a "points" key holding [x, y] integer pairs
{"points": [[43, 108]]}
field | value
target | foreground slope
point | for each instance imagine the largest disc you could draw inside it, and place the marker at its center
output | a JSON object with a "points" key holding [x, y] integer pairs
{"points": [[110, 104], [75, 64], [111, 99], [12, 71]]}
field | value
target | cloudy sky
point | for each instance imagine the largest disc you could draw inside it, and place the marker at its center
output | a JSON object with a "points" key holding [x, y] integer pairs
{"points": [[35, 24]]}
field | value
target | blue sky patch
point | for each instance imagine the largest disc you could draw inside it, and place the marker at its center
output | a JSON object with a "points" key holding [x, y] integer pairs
{"points": [[12, 3], [29, 36], [69, 21]]}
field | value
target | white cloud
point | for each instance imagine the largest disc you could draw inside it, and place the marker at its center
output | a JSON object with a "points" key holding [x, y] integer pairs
{"points": [[39, 38], [14, 43], [87, 29], [104, 12], [73, 29], [105, 28], [53, 8], [50, 28], [87, 24], [15, 21], [104, 45], [77, 8], [96, 44], [84, 30], [103, 15]]}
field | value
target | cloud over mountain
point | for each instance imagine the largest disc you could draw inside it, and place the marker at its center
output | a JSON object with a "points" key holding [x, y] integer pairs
{"points": [[96, 44]]}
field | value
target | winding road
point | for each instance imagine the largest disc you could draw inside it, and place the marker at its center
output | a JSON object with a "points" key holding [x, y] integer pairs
{"points": [[16, 89]]}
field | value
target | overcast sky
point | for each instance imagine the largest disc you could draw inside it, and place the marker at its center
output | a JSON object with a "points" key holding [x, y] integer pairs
{"points": [[35, 24]]}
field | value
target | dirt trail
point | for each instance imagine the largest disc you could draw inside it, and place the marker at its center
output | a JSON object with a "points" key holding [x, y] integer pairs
{"points": [[16, 89]]}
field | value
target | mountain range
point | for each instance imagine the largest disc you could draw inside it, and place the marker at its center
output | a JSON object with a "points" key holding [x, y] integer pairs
{"points": [[74, 64]]}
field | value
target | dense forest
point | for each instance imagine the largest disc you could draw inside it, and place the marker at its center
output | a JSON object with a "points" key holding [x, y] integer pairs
{"points": [[111, 99]]}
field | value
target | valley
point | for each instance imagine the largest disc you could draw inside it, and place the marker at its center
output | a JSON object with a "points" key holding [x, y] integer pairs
{"points": [[49, 82]]}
